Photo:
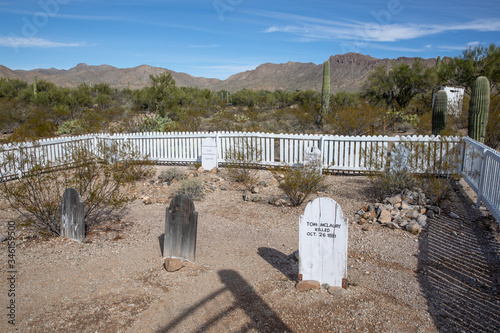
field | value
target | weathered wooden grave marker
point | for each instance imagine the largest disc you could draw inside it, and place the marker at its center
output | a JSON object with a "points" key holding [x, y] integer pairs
{"points": [[181, 223], [323, 243], [72, 215], [208, 154]]}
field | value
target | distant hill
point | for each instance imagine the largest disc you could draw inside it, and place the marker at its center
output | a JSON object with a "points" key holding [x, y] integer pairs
{"points": [[348, 73]]}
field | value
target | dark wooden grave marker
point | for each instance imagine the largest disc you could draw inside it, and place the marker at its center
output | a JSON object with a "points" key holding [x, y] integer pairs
{"points": [[72, 215], [181, 223]]}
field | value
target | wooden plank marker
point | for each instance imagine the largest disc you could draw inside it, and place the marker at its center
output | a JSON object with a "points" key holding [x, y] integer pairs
{"points": [[181, 223], [323, 243], [72, 215]]}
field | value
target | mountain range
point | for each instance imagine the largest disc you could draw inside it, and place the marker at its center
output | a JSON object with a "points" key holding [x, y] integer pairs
{"points": [[348, 73]]}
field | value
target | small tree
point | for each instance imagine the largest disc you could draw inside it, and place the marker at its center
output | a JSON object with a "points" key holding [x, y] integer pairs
{"points": [[242, 160]]}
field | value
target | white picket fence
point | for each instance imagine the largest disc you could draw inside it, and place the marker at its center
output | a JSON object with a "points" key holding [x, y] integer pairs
{"points": [[479, 164]]}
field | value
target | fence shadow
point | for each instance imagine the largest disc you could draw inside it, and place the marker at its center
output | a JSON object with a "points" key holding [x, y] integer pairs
{"points": [[282, 262], [459, 265], [262, 316]]}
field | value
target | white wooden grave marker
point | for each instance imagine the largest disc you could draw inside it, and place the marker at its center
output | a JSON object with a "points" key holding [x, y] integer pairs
{"points": [[400, 157], [208, 154], [312, 155], [323, 243]]}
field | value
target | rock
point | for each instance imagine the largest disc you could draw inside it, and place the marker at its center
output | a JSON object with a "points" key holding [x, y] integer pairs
{"points": [[422, 221], [262, 184], [255, 189], [308, 285], [362, 221], [368, 215], [405, 205], [223, 188], [214, 170], [201, 169], [366, 227], [246, 197], [255, 199], [173, 264], [436, 210], [296, 255], [392, 225], [3, 238], [278, 202], [412, 214], [384, 216], [336, 291], [394, 200], [453, 215], [414, 228], [147, 201], [430, 214]]}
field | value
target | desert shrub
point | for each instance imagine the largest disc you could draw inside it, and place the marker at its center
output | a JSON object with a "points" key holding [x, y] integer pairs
{"points": [[173, 173], [156, 124], [242, 159], [193, 187], [99, 175], [389, 182], [298, 182]]}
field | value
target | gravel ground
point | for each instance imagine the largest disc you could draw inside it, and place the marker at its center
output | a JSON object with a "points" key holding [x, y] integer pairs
{"points": [[444, 280]]}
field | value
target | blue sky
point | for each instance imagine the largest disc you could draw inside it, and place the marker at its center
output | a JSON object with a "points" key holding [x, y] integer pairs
{"points": [[218, 38]]}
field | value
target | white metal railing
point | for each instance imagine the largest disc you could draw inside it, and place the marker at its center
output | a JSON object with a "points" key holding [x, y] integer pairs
{"points": [[481, 170], [479, 164]]}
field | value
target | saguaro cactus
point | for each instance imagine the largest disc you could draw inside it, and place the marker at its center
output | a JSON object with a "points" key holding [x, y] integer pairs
{"points": [[479, 108], [439, 110], [325, 93], [35, 91]]}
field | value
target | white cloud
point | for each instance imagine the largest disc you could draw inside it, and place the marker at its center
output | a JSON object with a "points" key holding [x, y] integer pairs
{"points": [[310, 29], [15, 41]]}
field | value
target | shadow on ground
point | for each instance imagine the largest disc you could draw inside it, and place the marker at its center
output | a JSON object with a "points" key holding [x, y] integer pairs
{"points": [[282, 262], [262, 317], [459, 264]]}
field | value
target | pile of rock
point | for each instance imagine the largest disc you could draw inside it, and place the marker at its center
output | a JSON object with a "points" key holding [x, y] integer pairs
{"points": [[408, 210]]}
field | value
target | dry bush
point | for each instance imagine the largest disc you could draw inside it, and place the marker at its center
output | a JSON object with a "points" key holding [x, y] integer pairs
{"points": [[173, 173], [99, 176], [242, 160], [363, 119]]}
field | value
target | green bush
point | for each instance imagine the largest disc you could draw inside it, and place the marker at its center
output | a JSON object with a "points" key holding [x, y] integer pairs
{"points": [[298, 182], [389, 182], [193, 187]]}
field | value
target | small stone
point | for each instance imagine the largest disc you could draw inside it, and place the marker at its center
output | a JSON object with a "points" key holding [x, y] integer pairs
{"points": [[392, 225], [366, 227], [262, 183], [384, 216], [412, 214], [255, 189], [255, 199], [394, 200], [405, 205], [246, 197], [368, 215], [362, 221], [414, 228], [336, 291], [223, 188], [453, 215], [214, 170], [360, 212], [3, 238], [422, 221], [296, 255], [201, 169], [173, 264], [147, 201], [430, 214], [308, 285], [436, 210]]}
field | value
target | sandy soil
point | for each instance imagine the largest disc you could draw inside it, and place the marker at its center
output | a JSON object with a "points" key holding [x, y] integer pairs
{"points": [[445, 280]]}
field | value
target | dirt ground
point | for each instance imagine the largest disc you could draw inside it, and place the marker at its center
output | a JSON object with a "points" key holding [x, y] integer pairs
{"points": [[447, 279]]}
